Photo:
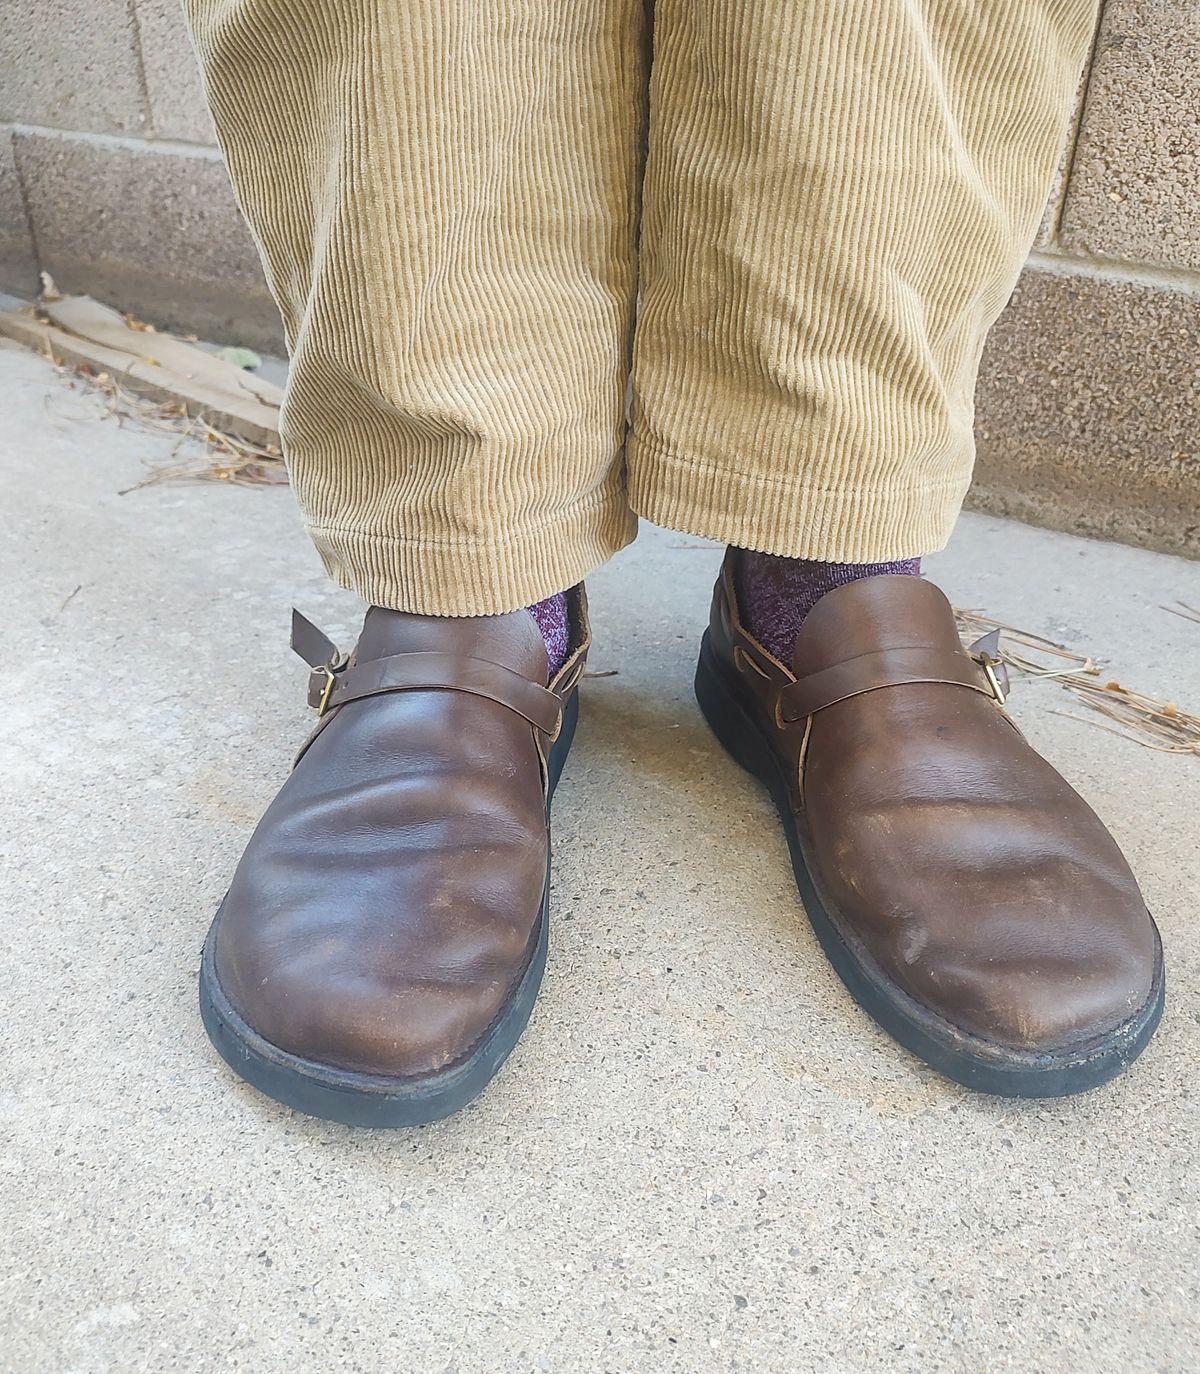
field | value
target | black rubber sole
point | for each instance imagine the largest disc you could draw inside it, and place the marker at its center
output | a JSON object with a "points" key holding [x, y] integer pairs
{"points": [[359, 1099], [966, 1059]]}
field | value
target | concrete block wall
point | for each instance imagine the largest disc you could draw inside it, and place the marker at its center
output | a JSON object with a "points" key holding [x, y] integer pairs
{"points": [[1089, 400], [110, 179], [1088, 410]]}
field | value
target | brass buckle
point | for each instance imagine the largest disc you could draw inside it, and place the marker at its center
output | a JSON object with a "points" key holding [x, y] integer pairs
{"points": [[989, 666], [331, 671], [986, 653], [330, 679]]}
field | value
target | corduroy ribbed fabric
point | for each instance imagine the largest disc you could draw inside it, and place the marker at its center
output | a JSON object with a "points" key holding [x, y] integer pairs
{"points": [[839, 197], [446, 194]]}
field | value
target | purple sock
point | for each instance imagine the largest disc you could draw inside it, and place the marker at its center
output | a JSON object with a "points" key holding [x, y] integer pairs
{"points": [[775, 594], [553, 618]]}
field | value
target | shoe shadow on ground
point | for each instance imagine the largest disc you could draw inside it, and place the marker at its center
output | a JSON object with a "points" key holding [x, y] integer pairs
{"points": [[663, 739], [648, 779]]}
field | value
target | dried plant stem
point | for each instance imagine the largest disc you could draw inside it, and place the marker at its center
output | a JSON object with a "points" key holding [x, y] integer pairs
{"points": [[225, 458], [1158, 725]]}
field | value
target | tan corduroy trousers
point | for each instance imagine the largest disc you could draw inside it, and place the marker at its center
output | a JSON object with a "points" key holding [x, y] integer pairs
{"points": [[789, 222]]}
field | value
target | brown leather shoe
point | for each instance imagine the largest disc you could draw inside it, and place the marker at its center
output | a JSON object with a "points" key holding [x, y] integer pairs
{"points": [[969, 899], [381, 945]]}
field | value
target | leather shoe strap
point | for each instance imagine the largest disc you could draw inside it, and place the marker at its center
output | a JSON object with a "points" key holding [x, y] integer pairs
{"points": [[884, 668], [314, 646], [438, 671], [334, 681]]}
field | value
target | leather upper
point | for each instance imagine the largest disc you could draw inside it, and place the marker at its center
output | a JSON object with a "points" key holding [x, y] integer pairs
{"points": [[963, 866], [389, 900]]}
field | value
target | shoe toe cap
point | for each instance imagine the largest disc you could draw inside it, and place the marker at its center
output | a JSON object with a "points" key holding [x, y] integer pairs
{"points": [[1040, 1000], [369, 1006]]}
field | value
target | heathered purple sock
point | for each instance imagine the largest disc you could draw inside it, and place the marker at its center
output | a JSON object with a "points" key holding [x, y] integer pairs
{"points": [[554, 620], [775, 594]]}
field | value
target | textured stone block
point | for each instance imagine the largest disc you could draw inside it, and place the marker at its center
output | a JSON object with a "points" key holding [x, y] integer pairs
{"points": [[1135, 181], [71, 66], [147, 229], [18, 264], [177, 107], [1088, 411]]}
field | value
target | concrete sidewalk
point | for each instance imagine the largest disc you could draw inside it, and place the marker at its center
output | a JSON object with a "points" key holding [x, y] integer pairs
{"points": [[702, 1157]]}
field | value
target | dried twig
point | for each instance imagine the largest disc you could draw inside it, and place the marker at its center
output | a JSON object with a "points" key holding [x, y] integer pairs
{"points": [[225, 457], [1184, 611], [1159, 725]]}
